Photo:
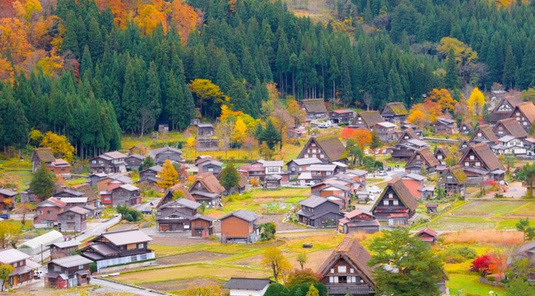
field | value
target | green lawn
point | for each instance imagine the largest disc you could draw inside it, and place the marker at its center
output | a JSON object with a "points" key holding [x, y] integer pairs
{"points": [[486, 207], [468, 283]]}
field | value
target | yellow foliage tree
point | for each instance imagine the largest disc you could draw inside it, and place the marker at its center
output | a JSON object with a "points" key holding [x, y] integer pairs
{"points": [[13, 38], [60, 146], [205, 89], [50, 65], [275, 260], [443, 98], [31, 7], [463, 53], [475, 102], [6, 70], [417, 118], [168, 177], [240, 131], [149, 18]]}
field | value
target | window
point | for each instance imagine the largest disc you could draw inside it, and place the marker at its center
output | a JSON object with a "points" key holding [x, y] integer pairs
{"points": [[466, 163], [210, 169], [80, 267], [332, 270], [39, 212], [342, 279], [342, 269], [140, 246], [396, 202], [472, 157], [351, 270], [479, 134], [331, 279], [525, 123], [478, 164], [385, 202], [322, 155], [48, 211], [390, 195]]}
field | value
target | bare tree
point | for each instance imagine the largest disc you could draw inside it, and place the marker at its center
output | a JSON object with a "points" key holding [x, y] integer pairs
{"points": [[147, 121]]}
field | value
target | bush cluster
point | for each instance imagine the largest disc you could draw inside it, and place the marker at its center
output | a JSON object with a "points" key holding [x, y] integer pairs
{"points": [[129, 214], [459, 254]]}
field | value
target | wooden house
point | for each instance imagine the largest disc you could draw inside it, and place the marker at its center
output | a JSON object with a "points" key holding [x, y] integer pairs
{"points": [[367, 119], [395, 112], [445, 126], [93, 199], [509, 145], [110, 162], [255, 171], [73, 219], [427, 235], [119, 247], [272, 181], [358, 221], [179, 190], [509, 127], [342, 116], [60, 167], [387, 131], [112, 181], [406, 145], [346, 270], [240, 226], [327, 148], [123, 195], [209, 165], [314, 108], [7, 199], [453, 181], [205, 137], [396, 205], [319, 212], [504, 108], [463, 145], [484, 134], [160, 155], [150, 175], [23, 266], [431, 207], [247, 286], [41, 155], [422, 159], [524, 113], [479, 163], [134, 161], [299, 165], [67, 272], [178, 216], [441, 154], [207, 188], [526, 251], [273, 167], [466, 127], [63, 249], [317, 173], [47, 212]]}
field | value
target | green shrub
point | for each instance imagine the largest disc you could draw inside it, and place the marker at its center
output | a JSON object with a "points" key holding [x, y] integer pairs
{"points": [[459, 254], [129, 214]]}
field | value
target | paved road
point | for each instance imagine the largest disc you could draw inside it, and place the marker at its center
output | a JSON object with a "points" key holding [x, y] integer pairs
{"points": [[124, 288]]}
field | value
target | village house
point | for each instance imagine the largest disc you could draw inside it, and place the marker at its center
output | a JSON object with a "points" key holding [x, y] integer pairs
{"points": [[273, 167], [64, 248], [358, 221], [387, 131], [41, 155], [524, 113], [240, 226], [395, 112], [509, 127], [68, 272], [479, 163], [160, 155], [466, 127], [346, 270], [150, 175], [396, 205], [119, 247], [110, 162], [504, 108], [463, 145], [250, 171], [24, 267], [60, 167], [272, 181], [442, 154], [314, 108], [178, 216], [134, 161], [406, 145], [93, 201], [342, 116], [206, 188], [453, 181], [319, 212], [299, 165], [208, 165], [509, 145], [47, 212], [484, 134], [205, 137], [431, 207], [179, 190], [422, 160], [414, 182], [327, 148], [427, 235], [71, 202], [526, 251], [112, 181], [247, 286], [335, 190], [73, 219], [317, 173], [123, 195], [7, 199], [445, 126], [368, 119]]}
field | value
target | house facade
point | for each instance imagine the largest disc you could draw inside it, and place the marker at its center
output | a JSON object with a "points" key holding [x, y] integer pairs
{"points": [[47, 212], [445, 126], [63, 249], [178, 216], [206, 188], [396, 205], [358, 221], [240, 226], [41, 155], [205, 137], [422, 159], [387, 131], [346, 271], [67, 272], [299, 165], [24, 267], [7, 199], [524, 114], [504, 108], [395, 112], [160, 155], [327, 148], [484, 134], [133, 161], [453, 181], [367, 119], [342, 116], [319, 212], [123, 195], [509, 127], [110, 162], [73, 219], [479, 163], [314, 108]]}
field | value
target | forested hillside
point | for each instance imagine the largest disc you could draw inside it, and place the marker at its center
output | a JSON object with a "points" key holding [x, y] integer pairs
{"points": [[91, 70]]}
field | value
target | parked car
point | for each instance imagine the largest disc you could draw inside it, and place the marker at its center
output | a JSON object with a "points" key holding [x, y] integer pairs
{"points": [[4, 216], [374, 189], [37, 274], [382, 173]]}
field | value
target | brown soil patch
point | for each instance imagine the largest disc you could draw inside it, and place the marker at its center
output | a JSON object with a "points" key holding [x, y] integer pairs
{"points": [[314, 259], [191, 257], [174, 241], [179, 285]]}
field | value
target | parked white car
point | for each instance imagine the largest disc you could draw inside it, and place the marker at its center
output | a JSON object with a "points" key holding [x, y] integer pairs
{"points": [[374, 189]]}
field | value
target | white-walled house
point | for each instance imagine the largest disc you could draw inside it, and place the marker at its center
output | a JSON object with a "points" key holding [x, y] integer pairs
{"points": [[247, 286], [509, 145]]}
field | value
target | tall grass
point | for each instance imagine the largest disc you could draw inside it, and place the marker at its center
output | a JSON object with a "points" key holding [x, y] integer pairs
{"points": [[484, 237]]}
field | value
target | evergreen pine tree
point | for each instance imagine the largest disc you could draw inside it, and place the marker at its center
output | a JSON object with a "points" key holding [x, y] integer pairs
{"points": [[452, 78], [43, 181], [509, 68]]}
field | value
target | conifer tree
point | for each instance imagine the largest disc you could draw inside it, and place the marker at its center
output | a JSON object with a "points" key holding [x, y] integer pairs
{"points": [[452, 78], [43, 181]]}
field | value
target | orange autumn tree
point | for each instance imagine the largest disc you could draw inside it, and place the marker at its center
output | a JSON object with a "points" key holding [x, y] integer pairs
{"points": [[347, 133], [185, 18], [417, 117], [362, 137], [443, 98], [13, 38]]}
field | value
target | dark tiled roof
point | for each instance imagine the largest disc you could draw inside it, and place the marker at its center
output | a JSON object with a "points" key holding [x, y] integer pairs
{"points": [[351, 250], [243, 214], [371, 117], [313, 201], [247, 284], [333, 147], [314, 105], [513, 127]]}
